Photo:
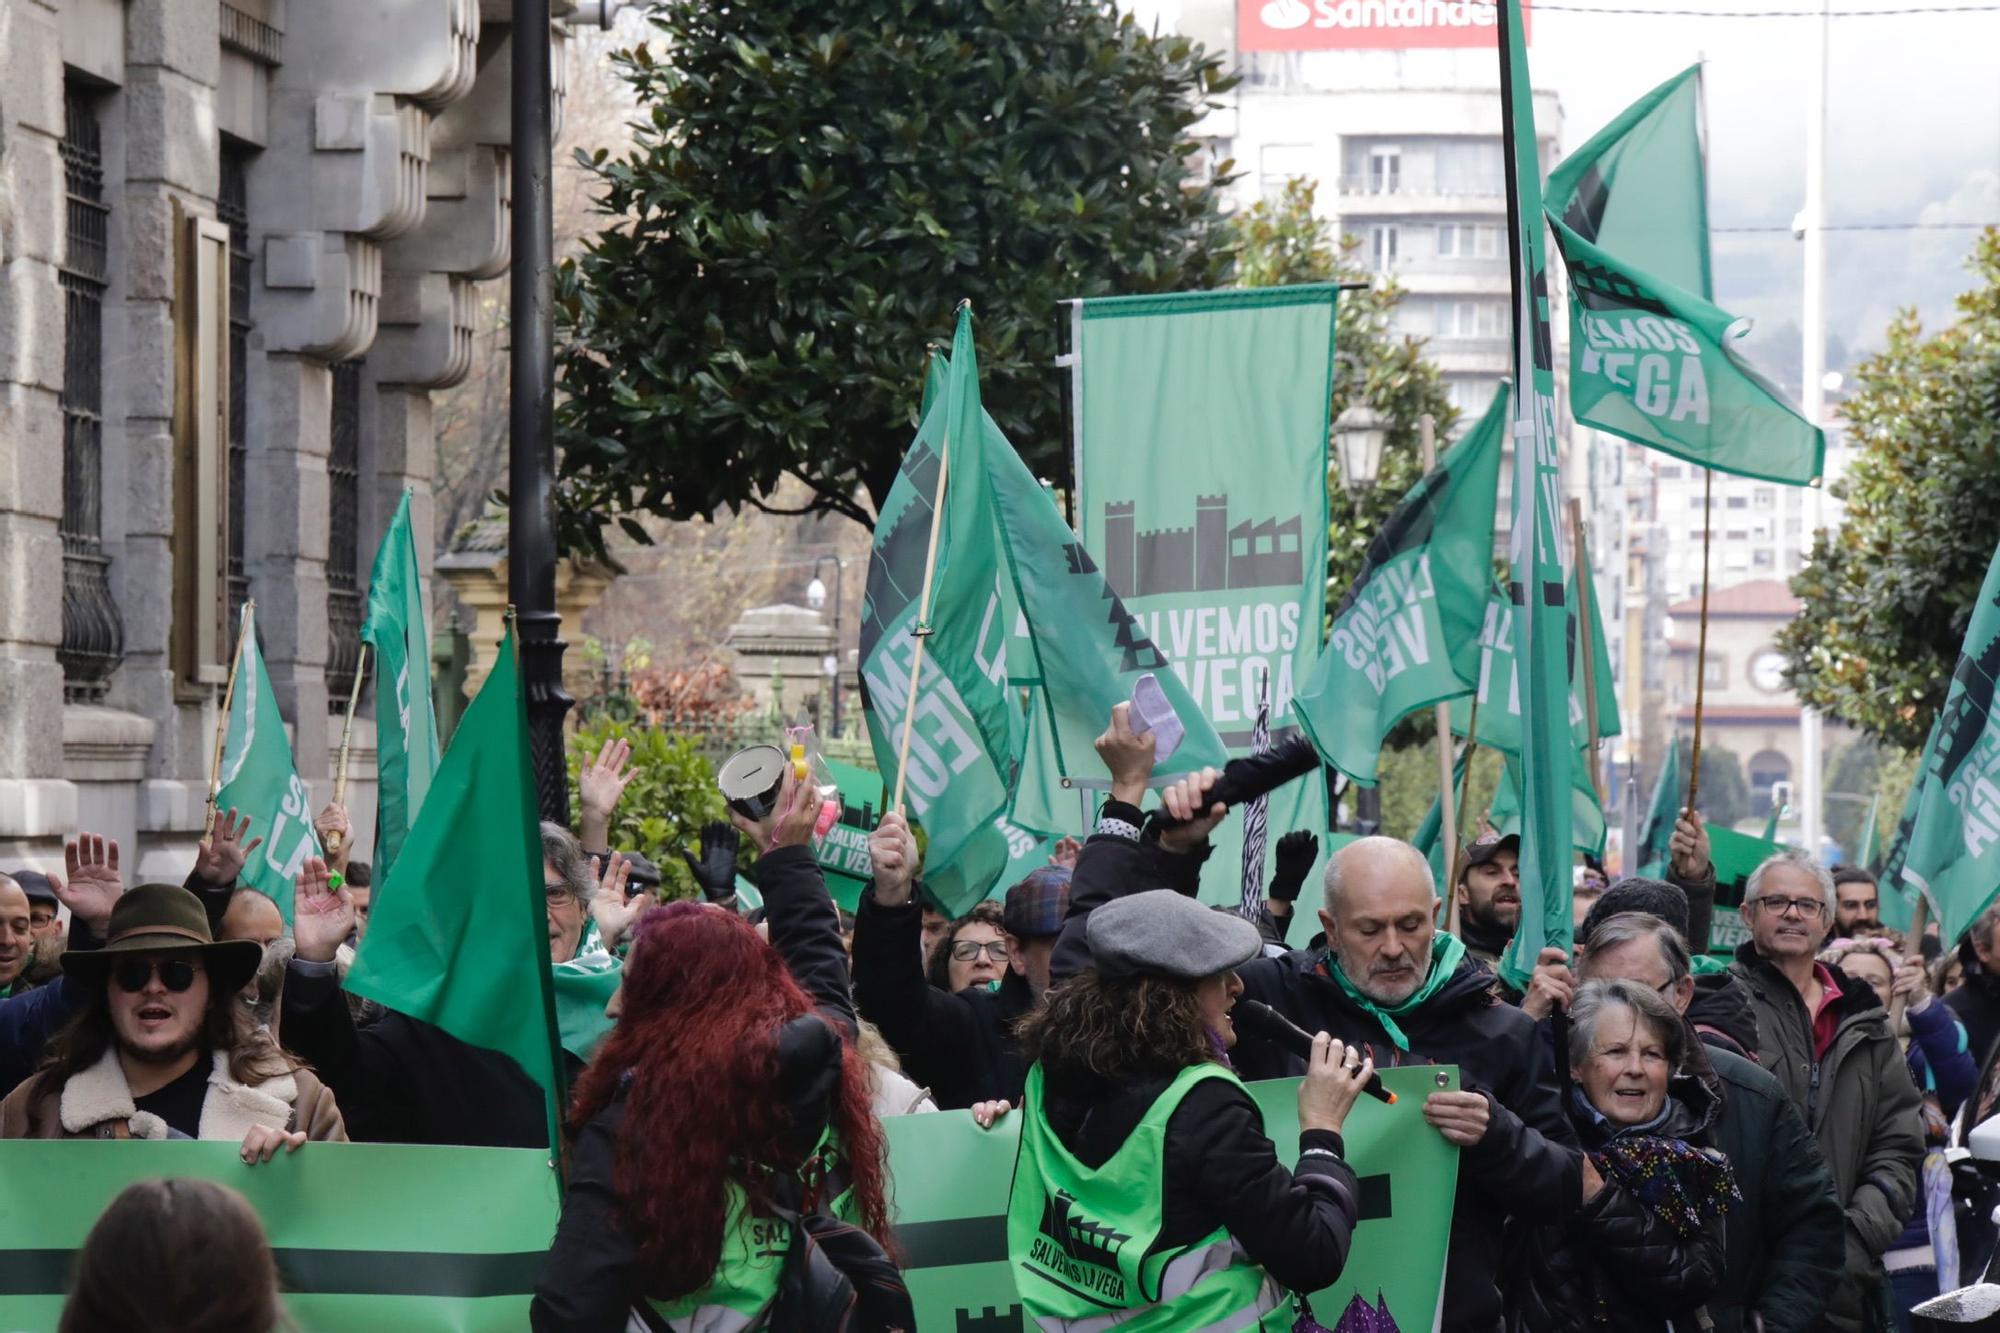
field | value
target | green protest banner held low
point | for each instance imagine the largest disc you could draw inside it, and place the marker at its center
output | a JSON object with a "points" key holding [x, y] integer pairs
{"points": [[366, 1236], [259, 779], [952, 1224], [1202, 425]]}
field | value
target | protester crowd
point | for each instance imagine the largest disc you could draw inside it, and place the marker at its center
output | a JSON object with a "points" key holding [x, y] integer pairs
{"points": [[1648, 1138]]}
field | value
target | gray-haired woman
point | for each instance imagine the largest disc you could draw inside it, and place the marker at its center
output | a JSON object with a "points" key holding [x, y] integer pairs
{"points": [[1646, 1248]]}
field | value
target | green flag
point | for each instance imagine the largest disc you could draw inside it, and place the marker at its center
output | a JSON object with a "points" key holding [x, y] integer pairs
{"points": [[406, 742], [1407, 633], [1894, 893], [1540, 603], [1778, 812], [259, 780], [1651, 357], [1498, 686], [1650, 857], [1864, 855], [1953, 856], [459, 934], [966, 741], [1587, 828]]}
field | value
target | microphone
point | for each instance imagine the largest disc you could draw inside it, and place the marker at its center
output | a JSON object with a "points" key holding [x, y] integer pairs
{"points": [[1261, 1020]]}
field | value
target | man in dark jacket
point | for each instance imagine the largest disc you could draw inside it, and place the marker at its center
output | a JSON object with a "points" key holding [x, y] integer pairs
{"points": [[961, 1046], [1785, 1239], [1826, 1038], [29, 1020], [1389, 981]]}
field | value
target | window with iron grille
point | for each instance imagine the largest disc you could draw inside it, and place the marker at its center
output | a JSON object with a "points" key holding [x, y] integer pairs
{"points": [[93, 638], [343, 550], [232, 208]]}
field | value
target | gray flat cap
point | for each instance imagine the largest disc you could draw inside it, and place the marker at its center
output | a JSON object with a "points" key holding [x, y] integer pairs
{"points": [[1162, 934]]}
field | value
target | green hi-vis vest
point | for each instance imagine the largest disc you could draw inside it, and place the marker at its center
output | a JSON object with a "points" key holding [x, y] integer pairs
{"points": [[1084, 1243], [754, 1249]]}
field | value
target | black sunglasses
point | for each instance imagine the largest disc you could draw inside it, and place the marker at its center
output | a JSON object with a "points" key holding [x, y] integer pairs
{"points": [[176, 974]]}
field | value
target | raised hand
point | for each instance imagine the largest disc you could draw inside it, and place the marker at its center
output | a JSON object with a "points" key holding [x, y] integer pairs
{"points": [[609, 908], [221, 856], [715, 870], [1128, 754], [1185, 799], [1065, 853], [1295, 854], [599, 786], [94, 882], [335, 834], [1687, 849], [892, 854], [1551, 987], [323, 916]]}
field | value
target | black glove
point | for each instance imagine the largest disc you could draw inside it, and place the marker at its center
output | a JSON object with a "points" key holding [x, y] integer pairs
{"points": [[1297, 851], [716, 870]]}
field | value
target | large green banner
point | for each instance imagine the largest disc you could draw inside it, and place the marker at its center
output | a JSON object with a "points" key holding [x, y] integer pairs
{"points": [[1202, 425], [952, 1219], [367, 1236], [420, 1239]]}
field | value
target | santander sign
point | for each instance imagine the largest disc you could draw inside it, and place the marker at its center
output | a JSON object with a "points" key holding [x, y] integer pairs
{"points": [[1334, 25]]}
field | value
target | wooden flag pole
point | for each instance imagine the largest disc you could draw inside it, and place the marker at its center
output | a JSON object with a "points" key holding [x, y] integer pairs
{"points": [[1447, 804], [1701, 651], [1920, 920], [1586, 642], [346, 738], [222, 721], [1464, 789], [922, 630]]}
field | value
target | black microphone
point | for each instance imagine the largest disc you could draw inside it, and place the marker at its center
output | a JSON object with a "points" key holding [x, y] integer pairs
{"points": [[1261, 1020]]}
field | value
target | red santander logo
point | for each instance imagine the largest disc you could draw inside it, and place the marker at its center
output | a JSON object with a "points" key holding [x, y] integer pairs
{"points": [[1336, 25]]}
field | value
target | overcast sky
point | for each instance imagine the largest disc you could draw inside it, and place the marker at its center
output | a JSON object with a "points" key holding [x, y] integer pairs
{"points": [[1914, 135]]}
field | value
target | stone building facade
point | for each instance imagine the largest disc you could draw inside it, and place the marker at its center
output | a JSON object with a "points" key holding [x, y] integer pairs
{"points": [[238, 239]]}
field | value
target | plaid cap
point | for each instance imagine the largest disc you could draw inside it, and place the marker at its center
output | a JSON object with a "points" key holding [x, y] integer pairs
{"points": [[1035, 907]]}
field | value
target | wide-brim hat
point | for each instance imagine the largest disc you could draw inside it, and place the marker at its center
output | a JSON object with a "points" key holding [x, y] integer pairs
{"points": [[158, 918], [1159, 933]]}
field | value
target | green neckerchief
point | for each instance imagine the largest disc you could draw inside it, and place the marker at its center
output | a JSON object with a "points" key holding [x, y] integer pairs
{"points": [[1447, 952]]}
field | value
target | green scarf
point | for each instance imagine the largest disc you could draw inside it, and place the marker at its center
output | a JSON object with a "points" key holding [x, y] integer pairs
{"points": [[1447, 952]]}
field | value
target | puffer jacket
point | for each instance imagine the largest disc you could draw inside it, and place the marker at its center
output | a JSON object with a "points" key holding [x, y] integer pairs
{"points": [[1616, 1263], [1861, 1106]]}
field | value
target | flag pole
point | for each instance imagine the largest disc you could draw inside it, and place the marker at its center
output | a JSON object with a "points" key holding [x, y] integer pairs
{"points": [[1465, 787], [346, 738], [222, 719], [1586, 640], [922, 629], [1920, 920], [1701, 651], [1447, 804]]}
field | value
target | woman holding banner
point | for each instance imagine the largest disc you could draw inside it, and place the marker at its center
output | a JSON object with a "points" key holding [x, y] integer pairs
{"points": [[1145, 1190], [724, 1125]]}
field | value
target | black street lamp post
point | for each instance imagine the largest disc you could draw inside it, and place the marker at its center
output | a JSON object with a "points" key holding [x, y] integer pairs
{"points": [[816, 597], [531, 461]]}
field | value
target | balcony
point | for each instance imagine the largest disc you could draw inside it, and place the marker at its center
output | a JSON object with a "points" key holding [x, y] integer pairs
{"points": [[1407, 192]]}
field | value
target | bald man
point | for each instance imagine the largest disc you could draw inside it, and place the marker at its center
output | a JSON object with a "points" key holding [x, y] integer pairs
{"points": [[1388, 979]]}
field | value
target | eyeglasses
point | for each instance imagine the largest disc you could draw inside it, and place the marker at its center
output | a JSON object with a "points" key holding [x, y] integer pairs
{"points": [[176, 974], [560, 895], [1808, 909], [965, 951]]}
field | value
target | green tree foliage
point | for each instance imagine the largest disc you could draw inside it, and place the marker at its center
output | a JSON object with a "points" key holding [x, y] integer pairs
{"points": [[665, 806], [1410, 784], [1281, 243], [813, 188], [1888, 596]]}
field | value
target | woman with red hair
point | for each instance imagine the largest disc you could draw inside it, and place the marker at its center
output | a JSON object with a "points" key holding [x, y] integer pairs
{"points": [[726, 1113]]}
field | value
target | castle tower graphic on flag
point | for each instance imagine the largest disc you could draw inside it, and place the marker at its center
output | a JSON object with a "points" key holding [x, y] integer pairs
{"points": [[1080, 1238], [1211, 556]]}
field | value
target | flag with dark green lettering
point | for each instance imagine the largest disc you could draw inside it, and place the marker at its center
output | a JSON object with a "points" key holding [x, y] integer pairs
{"points": [[1540, 605], [406, 742], [1652, 358], [965, 742], [1953, 853], [1406, 634], [259, 780]]}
